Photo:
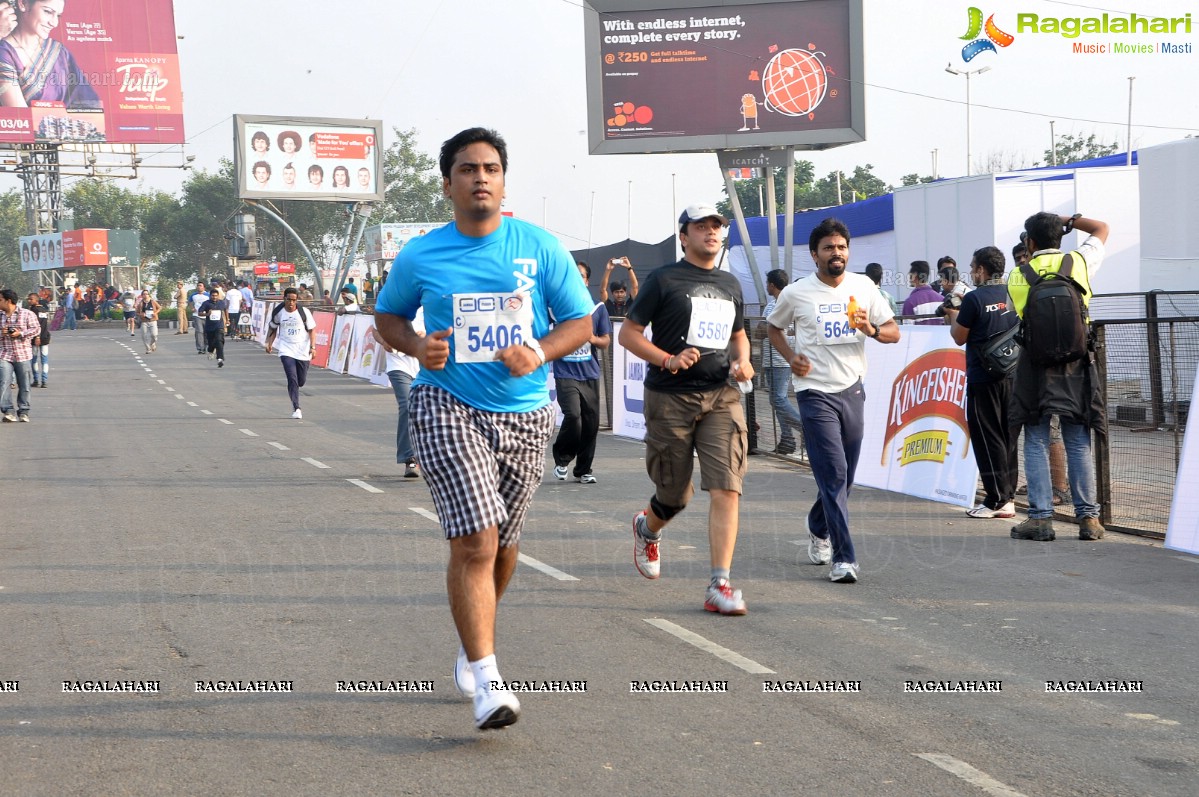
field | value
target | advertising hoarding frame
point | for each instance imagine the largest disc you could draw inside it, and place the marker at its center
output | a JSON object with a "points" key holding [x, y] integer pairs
{"points": [[242, 165], [124, 72], [816, 139]]}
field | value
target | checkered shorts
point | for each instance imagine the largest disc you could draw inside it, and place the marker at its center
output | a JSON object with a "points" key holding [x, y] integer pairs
{"points": [[481, 467]]}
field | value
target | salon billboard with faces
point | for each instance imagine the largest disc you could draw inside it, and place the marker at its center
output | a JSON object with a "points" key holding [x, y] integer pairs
{"points": [[105, 71], [281, 157], [40, 252]]}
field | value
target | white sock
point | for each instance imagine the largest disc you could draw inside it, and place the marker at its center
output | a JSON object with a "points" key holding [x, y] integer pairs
{"points": [[485, 671]]}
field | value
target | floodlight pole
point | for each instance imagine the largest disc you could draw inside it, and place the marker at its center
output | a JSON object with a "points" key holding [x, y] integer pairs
{"points": [[357, 210], [743, 230], [316, 269], [789, 216], [967, 72]]}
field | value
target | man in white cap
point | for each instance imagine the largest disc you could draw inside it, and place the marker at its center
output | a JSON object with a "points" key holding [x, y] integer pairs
{"points": [[699, 341]]}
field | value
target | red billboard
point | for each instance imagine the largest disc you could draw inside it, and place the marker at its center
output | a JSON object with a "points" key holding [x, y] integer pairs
{"points": [[83, 248], [91, 70]]}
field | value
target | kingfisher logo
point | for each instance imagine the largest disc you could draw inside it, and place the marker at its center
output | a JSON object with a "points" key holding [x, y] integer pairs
{"points": [[932, 387], [978, 45]]}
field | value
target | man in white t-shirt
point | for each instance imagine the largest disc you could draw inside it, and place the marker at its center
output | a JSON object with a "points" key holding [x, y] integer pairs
{"points": [[829, 361], [233, 295], [294, 329]]}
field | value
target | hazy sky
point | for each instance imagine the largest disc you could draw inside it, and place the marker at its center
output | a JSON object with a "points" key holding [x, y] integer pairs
{"points": [[518, 66]]}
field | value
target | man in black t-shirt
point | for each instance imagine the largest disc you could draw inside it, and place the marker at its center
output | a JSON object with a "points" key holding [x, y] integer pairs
{"points": [[40, 364], [698, 341], [986, 312]]}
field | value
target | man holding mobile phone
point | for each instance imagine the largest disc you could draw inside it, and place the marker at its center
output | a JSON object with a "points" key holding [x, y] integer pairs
{"points": [[622, 297]]}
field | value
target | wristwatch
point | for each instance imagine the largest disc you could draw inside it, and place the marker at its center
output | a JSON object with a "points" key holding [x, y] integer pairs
{"points": [[535, 345], [877, 331], [1070, 221]]}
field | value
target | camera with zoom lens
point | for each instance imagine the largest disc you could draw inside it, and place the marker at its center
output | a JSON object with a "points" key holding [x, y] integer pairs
{"points": [[952, 302]]}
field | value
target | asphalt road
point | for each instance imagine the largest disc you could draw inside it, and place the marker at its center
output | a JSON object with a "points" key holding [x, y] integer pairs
{"points": [[167, 521]]}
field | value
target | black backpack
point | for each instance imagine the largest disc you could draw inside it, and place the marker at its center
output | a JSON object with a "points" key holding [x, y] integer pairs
{"points": [[1055, 328]]}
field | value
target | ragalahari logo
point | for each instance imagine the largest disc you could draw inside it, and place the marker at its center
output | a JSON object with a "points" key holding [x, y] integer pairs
{"points": [[994, 36]]}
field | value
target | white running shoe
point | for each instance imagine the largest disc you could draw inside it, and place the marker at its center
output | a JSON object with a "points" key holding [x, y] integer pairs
{"points": [[645, 552], [722, 598], [844, 573], [494, 708], [297, 414], [464, 676], [820, 552], [586, 478], [560, 473]]}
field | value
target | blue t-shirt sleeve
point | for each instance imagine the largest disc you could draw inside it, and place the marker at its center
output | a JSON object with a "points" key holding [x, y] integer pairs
{"points": [[400, 295], [565, 293]]}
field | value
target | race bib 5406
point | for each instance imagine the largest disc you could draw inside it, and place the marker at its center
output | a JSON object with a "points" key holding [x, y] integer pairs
{"points": [[484, 323]]}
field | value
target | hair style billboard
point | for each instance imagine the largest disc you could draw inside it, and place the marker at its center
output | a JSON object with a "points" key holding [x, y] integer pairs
{"points": [[97, 72], [669, 76], [283, 157]]}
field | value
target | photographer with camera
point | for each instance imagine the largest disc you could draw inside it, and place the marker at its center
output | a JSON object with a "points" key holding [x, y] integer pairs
{"points": [[1057, 374], [19, 328], [954, 288], [622, 298]]}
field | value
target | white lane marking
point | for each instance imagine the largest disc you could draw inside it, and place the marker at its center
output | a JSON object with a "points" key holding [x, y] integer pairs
{"points": [[969, 774], [279, 446], [552, 572], [708, 646], [1190, 559], [192, 404], [178, 395], [364, 485], [424, 513], [206, 412], [248, 433], [162, 381], [153, 376], [227, 423], [315, 463], [168, 389]]}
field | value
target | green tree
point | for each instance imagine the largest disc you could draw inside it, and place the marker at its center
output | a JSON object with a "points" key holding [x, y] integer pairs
{"points": [[12, 227], [914, 179], [1072, 149], [413, 184], [808, 192]]}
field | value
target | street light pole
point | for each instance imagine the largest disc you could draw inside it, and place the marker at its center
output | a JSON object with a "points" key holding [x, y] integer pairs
{"points": [[967, 72]]}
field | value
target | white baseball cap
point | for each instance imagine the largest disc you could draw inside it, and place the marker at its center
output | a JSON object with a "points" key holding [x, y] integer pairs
{"points": [[699, 212]]}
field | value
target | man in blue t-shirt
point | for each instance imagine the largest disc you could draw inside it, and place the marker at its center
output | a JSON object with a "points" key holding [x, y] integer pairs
{"points": [[986, 312], [479, 410], [576, 381]]}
